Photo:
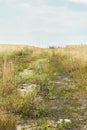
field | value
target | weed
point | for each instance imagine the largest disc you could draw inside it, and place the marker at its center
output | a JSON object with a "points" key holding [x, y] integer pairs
{"points": [[7, 122]]}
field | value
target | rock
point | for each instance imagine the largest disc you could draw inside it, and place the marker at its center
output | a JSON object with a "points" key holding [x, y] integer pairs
{"points": [[26, 89]]}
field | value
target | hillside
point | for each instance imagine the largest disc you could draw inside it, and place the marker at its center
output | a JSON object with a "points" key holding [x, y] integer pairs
{"points": [[12, 47], [43, 89]]}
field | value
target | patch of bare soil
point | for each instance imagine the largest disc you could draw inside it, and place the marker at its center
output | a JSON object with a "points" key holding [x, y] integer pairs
{"points": [[70, 102]]}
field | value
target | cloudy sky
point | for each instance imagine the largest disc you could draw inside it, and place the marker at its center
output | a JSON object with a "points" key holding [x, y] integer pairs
{"points": [[43, 22]]}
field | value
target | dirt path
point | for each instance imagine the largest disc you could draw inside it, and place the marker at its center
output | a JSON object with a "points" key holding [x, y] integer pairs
{"points": [[70, 102]]}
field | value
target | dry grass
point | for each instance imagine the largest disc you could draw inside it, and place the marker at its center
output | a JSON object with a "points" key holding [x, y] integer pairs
{"points": [[7, 70], [47, 65], [8, 48], [7, 122], [76, 56], [71, 57]]}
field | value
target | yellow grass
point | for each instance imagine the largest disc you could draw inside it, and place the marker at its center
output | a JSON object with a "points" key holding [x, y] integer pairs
{"points": [[8, 48], [7, 70], [75, 51]]}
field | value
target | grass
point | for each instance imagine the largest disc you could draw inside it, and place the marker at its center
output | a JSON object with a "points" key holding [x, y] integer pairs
{"points": [[7, 122], [53, 71]]}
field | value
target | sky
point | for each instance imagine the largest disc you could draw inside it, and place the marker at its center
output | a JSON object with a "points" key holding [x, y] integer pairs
{"points": [[43, 23]]}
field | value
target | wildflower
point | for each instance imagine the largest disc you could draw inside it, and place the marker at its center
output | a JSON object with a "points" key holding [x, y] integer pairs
{"points": [[63, 121]]}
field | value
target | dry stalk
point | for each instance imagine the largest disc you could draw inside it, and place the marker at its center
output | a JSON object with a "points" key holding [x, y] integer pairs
{"points": [[7, 71]]}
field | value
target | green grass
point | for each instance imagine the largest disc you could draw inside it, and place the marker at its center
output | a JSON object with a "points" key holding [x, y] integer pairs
{"points": [[52, 101], [7, 122]]}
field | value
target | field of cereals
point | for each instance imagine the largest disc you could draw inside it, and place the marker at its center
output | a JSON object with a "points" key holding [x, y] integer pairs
{"points": [[43, 89]]}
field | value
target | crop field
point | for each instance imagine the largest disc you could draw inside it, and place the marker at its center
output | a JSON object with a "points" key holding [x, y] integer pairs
{"points": [[43, 88]]}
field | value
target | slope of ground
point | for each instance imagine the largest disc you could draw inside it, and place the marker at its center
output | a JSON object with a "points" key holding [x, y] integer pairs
{"points": [[41, 88]]}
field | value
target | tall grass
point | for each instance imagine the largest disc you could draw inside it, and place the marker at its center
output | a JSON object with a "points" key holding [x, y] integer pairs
{"points": [[7, 122], [7, 71], [46, 66]]}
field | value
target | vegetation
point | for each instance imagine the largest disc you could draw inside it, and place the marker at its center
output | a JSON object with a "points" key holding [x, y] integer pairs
{"points": [[7, 122], [45, 86]]}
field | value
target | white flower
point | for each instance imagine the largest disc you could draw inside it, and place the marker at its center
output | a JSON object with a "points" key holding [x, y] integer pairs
{"points": [[62, 121], [67, 121]]}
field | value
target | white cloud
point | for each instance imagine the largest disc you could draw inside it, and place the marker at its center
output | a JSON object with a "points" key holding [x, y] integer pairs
{"points": [[38, 22], [79, 1]]}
